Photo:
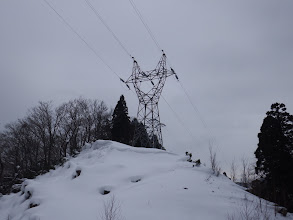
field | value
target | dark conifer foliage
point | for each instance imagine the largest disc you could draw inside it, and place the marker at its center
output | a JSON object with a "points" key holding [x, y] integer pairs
{"points": [[140, 137], [278, 111], [121, 128], [274, 156], [272, 153]]}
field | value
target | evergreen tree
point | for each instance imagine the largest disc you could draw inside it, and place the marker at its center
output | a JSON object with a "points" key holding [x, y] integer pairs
{"points": [[154, 140], [140, 137], [274, 155], [278, 111], [121, 123], [271, 153]]}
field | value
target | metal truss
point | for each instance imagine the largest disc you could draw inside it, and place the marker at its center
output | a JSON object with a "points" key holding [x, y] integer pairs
{"points": [[148, 87]]}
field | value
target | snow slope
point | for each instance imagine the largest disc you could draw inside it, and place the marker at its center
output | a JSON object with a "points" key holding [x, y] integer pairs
{"points": [[148, 184]]}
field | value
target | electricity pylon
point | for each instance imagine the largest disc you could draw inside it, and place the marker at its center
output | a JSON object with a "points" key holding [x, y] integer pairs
{"points": [[148, 87]]}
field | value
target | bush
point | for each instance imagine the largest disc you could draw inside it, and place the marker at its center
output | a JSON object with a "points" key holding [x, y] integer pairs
{"points": [[214, 163], [112, 210], [251, 210]]}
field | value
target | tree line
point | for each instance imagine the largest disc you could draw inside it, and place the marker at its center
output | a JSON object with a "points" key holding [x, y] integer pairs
{"points": [[48, 135], [35, 144]]}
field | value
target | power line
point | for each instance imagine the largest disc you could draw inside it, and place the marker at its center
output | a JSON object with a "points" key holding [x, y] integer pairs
{"points": [[117, 39], [92, 49], [178, 118], [81, 38], [158, 46], [107, 26], [145, 24], [197, 111], [194, 107], [124, 48]]}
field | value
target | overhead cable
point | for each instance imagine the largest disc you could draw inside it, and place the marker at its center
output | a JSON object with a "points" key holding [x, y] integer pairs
{"points": [[80, 37], [197, 111], [178, 118], [145, 24], [158, 46], [107, 26], [123, 47]]}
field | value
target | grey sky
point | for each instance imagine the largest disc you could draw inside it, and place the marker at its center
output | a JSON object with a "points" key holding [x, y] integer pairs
{"points": [[233, 57]]}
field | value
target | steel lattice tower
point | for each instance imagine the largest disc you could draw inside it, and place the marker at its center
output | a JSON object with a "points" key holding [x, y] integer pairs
{"points": [[148, 86]]}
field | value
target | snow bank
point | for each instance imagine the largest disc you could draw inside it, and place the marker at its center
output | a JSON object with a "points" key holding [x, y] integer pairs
{"points": [[148, 183]]}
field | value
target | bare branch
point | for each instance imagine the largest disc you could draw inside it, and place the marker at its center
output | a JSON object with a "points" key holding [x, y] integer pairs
{"points": [[112, 210]]}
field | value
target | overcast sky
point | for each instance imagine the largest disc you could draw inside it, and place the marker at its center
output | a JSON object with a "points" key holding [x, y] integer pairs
{"points": [[234, 58]]}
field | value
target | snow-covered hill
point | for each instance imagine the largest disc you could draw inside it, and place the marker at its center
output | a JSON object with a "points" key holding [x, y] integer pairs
{"points": [[149, 184]]}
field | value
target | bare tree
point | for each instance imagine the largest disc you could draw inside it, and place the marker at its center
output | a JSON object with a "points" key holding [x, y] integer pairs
{"points": [[247, 172], [112, 210], [244, 172], [251, 210], [233, 170], [214, 163], [43, 123], [34, 144], [101, 120]]}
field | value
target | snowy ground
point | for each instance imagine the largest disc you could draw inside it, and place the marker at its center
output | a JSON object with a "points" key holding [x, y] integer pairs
{"points": [[148, 184]]}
